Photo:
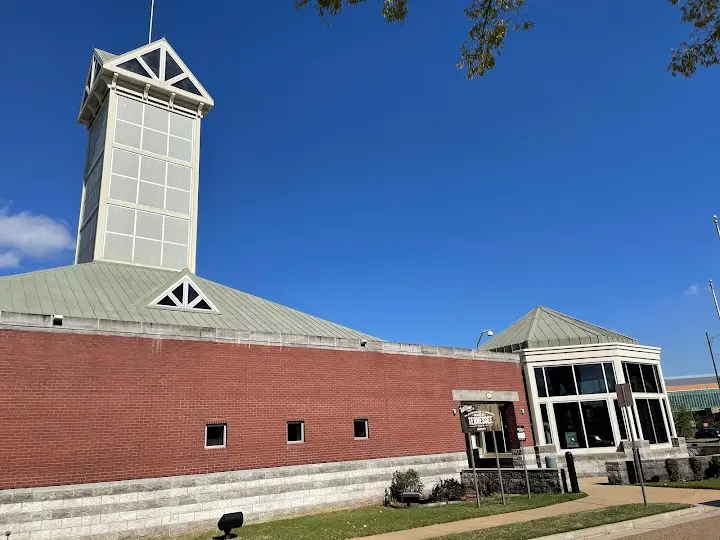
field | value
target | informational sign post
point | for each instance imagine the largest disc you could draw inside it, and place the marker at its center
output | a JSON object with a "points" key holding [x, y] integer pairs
{"points": [[479, 418], [520, 431], [625, 402]]}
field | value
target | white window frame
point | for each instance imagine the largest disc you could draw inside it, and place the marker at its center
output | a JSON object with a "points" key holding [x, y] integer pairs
{"points": [[184, 306], [224, 444], [608, 397], [302, 431], [367, 429]]}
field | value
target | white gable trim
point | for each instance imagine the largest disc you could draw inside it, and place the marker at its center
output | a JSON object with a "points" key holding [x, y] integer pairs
{"points": [[184, 303]]}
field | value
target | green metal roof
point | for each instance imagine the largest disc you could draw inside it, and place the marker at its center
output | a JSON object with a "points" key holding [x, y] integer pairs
{"points": [[694, 400], [104, 55], [103, 290], [543, 327]]}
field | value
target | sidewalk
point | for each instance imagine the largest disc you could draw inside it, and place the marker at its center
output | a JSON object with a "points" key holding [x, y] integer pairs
{"points": [[599, 496]]}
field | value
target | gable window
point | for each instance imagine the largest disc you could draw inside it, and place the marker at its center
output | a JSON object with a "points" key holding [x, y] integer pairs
{"points": [[360, 428], [184, 295], [215, 435], [295, 432]]}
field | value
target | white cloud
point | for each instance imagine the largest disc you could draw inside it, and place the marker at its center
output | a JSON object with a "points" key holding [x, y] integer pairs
{"points": [[691, 290], [25, 235], [9, 260]]}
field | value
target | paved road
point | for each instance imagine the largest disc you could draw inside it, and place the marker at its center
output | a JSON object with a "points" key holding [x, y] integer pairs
{"points": [[701, 529]]}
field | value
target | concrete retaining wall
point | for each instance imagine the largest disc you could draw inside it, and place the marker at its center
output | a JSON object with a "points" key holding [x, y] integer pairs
{"points": [[157, 506]]}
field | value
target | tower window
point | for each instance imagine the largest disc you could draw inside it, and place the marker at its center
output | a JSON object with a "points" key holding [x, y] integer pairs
{"points": [[187, 85], [152, 59], [133, 65], [172, 69]]}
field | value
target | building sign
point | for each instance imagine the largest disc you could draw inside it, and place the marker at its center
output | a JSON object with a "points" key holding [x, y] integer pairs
{"points": [[479, 417], [521, 433]]}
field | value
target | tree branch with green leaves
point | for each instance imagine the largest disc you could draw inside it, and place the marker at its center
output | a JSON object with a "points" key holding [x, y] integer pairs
{"points": [[492, 20]]}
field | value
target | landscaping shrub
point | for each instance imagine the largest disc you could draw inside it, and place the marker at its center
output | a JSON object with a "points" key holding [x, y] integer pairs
{"points": [[673, 469], [447, 490], [713, 471], [403, 481], [696, 467]]}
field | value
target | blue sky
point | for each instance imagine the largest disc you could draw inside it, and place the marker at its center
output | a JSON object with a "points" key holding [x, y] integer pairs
{"points": [[366, 181]]}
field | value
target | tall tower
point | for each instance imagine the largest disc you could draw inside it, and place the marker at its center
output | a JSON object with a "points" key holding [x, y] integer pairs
{"points": [[142, 110]]}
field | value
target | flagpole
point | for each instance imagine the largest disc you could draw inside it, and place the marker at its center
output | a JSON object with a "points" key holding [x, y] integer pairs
{"points": [[152, 12]]}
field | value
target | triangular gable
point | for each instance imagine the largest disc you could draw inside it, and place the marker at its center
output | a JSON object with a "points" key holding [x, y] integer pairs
{"points": [[158, 63], [180, 293]]}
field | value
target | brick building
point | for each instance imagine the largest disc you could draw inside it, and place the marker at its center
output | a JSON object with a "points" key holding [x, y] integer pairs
{"points": [[138, 395]]}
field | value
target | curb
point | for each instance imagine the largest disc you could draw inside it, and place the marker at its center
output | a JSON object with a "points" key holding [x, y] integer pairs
{"points": [[627, 525]]}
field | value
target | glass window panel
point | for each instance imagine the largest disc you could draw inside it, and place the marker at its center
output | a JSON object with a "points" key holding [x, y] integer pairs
{"points": [[632, 371], [127, 134], [179, 177], [540, 382], [118, 248], [154, 142], [182, 126], [648, 375], [167, 301], [134, 66], [172, 69], [180, 149], [610, 376], [152, 59], [621, 421], [560, 381], [202, 304], [174, 257], [295, 432], [123, 189], [176, 230], [178, 201], [147, 252], [152, 170], [360, 429], [546, 424], [149, 225], [178, 292], [187, 85], [130, 110], [569, 425], [668, 415], [156, 118], [151, 195], [120, 220], [597, 424], [192, 294], [125, 163], [590, 379], [661, 433], [658, 378], [646, 423], [215, 435]]}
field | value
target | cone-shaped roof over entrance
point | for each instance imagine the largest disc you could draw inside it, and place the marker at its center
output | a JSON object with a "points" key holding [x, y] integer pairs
{"points": [[543, 327]]}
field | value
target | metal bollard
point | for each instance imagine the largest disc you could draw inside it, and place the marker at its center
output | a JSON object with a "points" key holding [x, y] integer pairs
{"points": [[570, 460]]}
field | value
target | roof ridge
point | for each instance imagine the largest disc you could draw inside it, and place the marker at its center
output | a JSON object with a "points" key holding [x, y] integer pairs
{"points": [[581, 323]]}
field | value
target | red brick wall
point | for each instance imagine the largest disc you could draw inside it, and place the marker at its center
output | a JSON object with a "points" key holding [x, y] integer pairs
{"points": [[80, 408]]}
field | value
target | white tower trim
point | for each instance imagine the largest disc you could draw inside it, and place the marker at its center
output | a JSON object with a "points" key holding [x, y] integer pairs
{"points": [[143, 111]]}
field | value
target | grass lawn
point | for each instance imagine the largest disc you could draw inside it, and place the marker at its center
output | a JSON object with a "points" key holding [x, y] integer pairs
{"points": [[567, 523], [711, 483], [377, 519]]}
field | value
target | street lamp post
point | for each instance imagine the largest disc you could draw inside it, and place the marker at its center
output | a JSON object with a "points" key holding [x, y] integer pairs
{"points": [[488, 332], [712, 357]]}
